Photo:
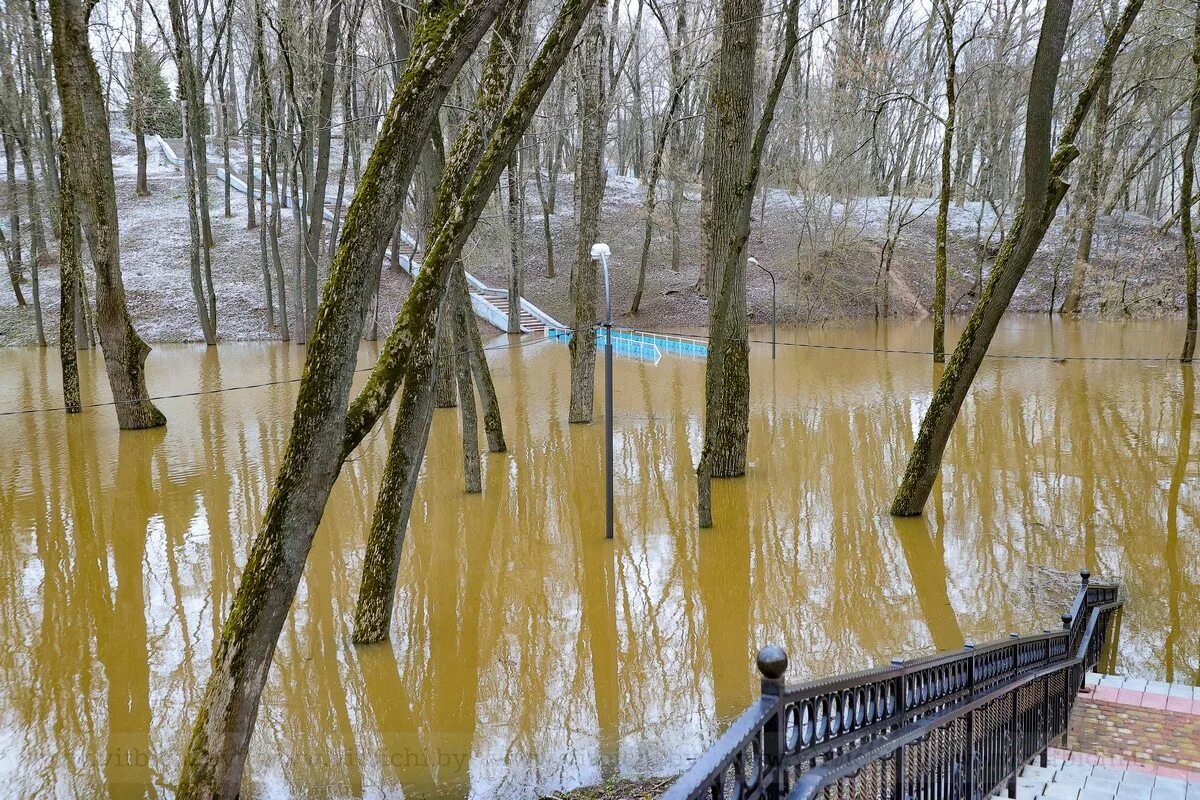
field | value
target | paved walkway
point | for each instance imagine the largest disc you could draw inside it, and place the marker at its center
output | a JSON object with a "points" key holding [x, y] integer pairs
{"points": [[1074, 776]]}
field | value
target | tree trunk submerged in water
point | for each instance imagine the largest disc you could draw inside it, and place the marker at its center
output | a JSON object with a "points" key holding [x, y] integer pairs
{"points": [[590, 193], [389, 523], [409, 349], [1044, 190], [85, 127], [734, 159], [216, 751]]}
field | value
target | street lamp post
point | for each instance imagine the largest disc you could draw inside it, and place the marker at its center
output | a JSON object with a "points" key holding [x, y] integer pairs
{"points": [[601, 253], [752, 261]]}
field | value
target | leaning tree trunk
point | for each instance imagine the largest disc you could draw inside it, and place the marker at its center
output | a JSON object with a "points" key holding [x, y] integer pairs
{"points": [[660, 145], [1044, 190], [493, 426], [85, 127], [70, 267], [389, 523], [216, 751], [373, 610], [589, 182], [1187, 196]]}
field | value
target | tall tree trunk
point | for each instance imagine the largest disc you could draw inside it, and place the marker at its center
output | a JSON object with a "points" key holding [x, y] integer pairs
{"points": [[41, 82], [37, 236], [195, 171], [16, 270], [516, 227], [1090, 202], [589, 190], [85, 125], [216, 751], [1187, 195], [730, 178], [195, 244], [139, 102], [727, 198], [943, 212], [316, 196], [1044, 190], [70, 268]]}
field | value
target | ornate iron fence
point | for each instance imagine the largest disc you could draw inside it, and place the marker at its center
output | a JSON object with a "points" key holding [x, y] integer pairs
{"points": [[952, 725]]}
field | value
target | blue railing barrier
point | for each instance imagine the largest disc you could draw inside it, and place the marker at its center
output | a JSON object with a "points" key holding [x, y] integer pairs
{"points": [[645, 346]]}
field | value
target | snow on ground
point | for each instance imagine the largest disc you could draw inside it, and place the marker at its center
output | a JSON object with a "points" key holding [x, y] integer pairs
{"points": [[826, 255], [156, 269]]}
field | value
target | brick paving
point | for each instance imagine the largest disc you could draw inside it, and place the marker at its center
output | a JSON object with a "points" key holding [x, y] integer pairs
{"points": [[1140, 724], [1135, 733]]}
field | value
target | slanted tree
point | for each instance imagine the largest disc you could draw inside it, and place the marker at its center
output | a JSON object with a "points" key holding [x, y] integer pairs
{"points": [[415, 349], [316, 195], [447, 32], [1044, 190], [85, 128]]}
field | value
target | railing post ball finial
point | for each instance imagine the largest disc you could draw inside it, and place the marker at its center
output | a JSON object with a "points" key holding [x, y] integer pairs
{"points": [[1085, 575], [1066, 618], [772, 662]]}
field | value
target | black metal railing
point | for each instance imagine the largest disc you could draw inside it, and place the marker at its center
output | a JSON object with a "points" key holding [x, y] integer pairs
{"points": [[952, 725]]}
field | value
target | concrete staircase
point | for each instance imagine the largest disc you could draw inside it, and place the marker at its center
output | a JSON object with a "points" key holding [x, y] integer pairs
{"points": [[499, 299], [1076, 779]]}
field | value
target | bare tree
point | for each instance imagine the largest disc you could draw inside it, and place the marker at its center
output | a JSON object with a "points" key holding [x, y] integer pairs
{"points": [[1044, 190], [85, 128]]}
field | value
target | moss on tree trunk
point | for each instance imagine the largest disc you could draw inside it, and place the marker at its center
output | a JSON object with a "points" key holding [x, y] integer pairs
{"points": [[409, 350], [447, 33], [70, 269]]}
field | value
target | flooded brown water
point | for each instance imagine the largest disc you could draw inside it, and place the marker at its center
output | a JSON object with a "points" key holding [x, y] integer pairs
{"points": [[527, 653]]}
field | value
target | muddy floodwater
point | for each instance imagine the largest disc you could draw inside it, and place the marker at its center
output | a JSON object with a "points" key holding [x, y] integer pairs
{"points": [[528, 654]]}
